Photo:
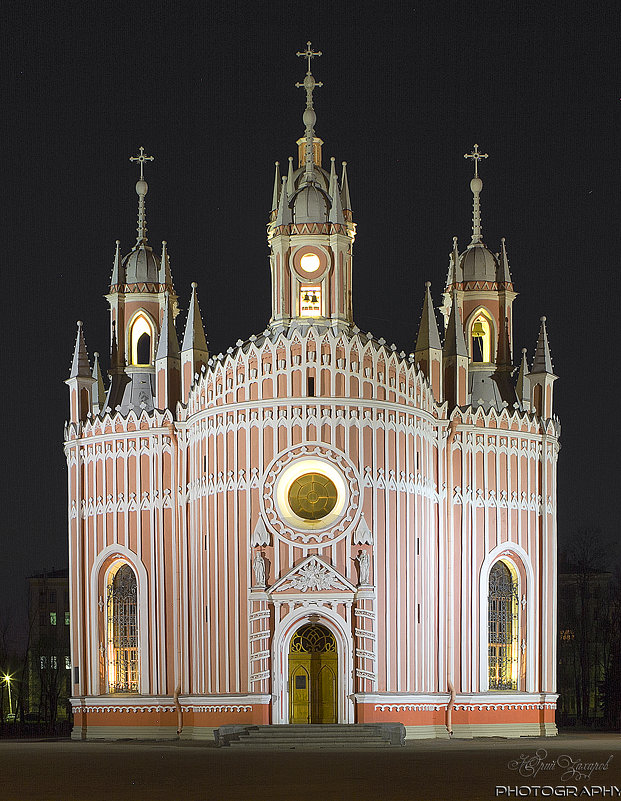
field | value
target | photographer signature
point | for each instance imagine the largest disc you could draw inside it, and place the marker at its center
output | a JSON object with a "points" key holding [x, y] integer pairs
{"points": [[572, 767]]}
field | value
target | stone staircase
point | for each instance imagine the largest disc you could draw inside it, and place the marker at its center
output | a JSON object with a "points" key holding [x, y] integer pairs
{"points": [[313, 737]]}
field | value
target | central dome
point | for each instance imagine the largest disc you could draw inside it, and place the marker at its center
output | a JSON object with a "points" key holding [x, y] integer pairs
{"points": [[141, 265], [478, 264], [310, 205]]}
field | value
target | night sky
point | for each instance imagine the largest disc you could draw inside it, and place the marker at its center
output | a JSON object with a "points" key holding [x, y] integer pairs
{"points": [[208, 89]]}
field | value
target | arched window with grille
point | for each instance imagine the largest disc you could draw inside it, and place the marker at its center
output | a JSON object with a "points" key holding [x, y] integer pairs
{"points": [[503, 627], [123, 656]]}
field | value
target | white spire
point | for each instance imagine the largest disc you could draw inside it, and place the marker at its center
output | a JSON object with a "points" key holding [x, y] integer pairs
{"points": [[80, 366], [141, 190], [276, 192], [309, 117], [476, 185], [290, 181]]}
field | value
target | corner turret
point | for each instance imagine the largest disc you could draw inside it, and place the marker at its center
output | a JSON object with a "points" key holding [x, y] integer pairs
{"points": [[80, 381]]}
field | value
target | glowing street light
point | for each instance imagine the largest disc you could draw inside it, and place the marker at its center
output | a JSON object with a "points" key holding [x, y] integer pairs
{"points": [[7, 680]]}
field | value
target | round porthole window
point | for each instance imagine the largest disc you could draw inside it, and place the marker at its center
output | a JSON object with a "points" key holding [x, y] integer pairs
{"points": [[312, 496]]}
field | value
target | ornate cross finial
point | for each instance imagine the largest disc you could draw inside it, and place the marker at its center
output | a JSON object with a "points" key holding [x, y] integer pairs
{"points": [[308, 54], [309, 117], [141, 158], [476, 157]]}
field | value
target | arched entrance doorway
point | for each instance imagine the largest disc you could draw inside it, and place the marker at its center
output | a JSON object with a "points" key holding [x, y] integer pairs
{"points": [[313, 671]]}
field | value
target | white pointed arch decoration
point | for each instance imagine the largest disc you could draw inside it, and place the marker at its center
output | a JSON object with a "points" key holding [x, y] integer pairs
{"points": [[285, 630], [116, 555], [520, 565], [141, 323]]}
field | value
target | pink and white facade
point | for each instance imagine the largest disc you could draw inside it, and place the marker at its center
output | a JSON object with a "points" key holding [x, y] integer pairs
{"points": [[191, 570]]}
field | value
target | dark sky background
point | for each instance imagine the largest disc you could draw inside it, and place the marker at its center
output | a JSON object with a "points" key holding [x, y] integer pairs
{"points": [[208, 89]]}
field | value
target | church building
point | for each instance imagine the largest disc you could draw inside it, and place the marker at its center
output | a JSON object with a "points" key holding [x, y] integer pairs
{"points": [[315, 526]]}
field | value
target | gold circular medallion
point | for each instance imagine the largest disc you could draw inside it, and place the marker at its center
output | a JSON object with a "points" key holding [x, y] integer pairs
{"points": [[312, 496]]}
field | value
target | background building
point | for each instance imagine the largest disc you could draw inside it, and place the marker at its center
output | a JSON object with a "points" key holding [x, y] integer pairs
{"points": [[314, 526], [49, 663]]}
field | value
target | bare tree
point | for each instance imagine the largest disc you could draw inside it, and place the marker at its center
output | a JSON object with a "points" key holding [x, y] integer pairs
{"points": [[584, 621]]}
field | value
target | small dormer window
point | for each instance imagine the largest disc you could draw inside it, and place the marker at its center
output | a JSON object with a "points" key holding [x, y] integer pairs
{"points": [[310, 301], [481, 339], [140, 341]]}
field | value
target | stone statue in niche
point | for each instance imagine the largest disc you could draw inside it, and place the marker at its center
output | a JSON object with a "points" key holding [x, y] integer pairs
{"points": [[364, 567], [258, 565]]}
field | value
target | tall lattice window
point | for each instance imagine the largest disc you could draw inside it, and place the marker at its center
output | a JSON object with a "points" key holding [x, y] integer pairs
{"points": [[123, 671], [503, 627]]}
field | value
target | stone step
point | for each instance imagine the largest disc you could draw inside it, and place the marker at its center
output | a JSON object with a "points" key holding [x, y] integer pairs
{"points": [[312, 736], [252, 746]]}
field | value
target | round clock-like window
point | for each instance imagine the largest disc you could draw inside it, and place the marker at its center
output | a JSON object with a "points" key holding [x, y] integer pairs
{"points": [[312, 496], [310, 262]]}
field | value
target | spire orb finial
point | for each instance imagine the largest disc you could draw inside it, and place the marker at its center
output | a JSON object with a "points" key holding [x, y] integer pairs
{"points": [[141, 190], [476, 185], [309, 117]]}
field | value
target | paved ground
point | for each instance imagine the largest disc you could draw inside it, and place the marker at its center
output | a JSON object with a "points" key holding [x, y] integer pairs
{"points": [[426, 770]]}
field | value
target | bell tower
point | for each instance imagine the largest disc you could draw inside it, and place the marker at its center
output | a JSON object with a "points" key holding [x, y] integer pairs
{"points": [[311, 233], [141, 292], [479, 283]]}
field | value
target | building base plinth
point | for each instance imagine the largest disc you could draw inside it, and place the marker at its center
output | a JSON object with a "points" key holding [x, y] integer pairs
{"points": [[158, 718], [471, 715]]}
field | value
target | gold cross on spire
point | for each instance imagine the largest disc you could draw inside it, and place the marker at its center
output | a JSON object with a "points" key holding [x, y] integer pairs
{"points": [[141, 158], [308, 53], [476, 157]]}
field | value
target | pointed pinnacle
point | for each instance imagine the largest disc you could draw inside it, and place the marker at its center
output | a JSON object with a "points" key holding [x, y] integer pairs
{"points": [[168, 345], [454, 342], [80, 366], [346, 201], [504, 274], [428, 336], [284, 212], [99, 392], [290, 181], [117, 267], [194, 334], [542, 362], [276, 192], [336, 210], [165, 276]]}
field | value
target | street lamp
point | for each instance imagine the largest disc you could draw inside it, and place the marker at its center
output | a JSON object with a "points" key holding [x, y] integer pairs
{"points": [[7, 680]]}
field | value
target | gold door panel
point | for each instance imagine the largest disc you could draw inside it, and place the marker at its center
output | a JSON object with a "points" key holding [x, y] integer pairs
{"points": [[313, 672]]}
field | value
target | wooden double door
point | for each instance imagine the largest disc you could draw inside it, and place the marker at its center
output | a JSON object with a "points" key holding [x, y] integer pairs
{"points": [[313, 675]]}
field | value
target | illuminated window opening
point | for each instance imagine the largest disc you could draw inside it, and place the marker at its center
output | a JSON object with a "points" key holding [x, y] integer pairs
{"points": [[310, 262], [140, 339], [481, 338], [310, 301], [503, 627], [123, 673]]}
